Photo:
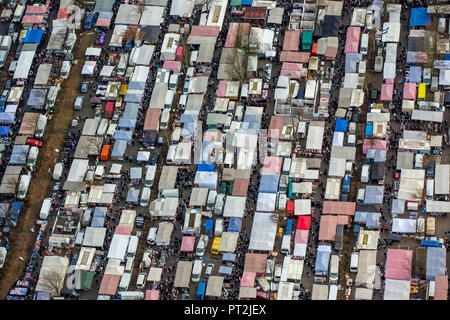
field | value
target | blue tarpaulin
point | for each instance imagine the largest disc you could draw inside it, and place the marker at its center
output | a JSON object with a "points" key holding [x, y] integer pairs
{"points": [[420, 17], [269, 183], [225, 270], [209, 226], [119, 149], [235, 224], [447, 56], [33, 36], [246, 2], [415, 74], [229, 257], [7, 117], [123, 135], [369, 130], [341, 125], [430, 243], [206, 167], [4, 130], [436, 262], [98, 220], [16, 208]]}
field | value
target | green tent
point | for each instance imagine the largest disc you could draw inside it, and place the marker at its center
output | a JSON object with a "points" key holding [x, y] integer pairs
{"points": [[307, 40], [235, 3], [86, 278]]}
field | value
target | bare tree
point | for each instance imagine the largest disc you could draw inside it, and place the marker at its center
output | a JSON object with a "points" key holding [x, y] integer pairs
{"points": [[53, 281], [207, 4], [131, 33]]}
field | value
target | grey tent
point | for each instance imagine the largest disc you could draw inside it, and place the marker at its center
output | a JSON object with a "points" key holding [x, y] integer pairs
{"points": [[133, 196], [436, 262], [37, 98], [136, 173]]}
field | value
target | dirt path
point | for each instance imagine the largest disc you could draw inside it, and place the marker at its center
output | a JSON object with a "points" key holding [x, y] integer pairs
{"points": [[22, 239]]}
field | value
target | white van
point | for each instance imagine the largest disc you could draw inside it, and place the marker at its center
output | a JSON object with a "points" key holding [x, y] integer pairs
{"points": [[132, 246], [430, 189], [165, 117], [173, 82], [40, 126], [364, 43], [124, 282], [441, 25], [102, 127], [365, 173], [150, 175], [152, 235], [57, 171], [182, 102], [334, 269], [270, 264], [169, 99], [23, 186], [171, 154], [32, 157], [286, 244], [129, 265], [197, 270], [218, 230], [354, 262], [201, 246], [145, 197], [239, 113], [123, 63], [65, 69], [99, 171], [211, 199], [277, 274], [176, 135], [12, 68], [142, 278], [360, 195], [45, 209], [332, 293], [418, 161], [286, 166]]}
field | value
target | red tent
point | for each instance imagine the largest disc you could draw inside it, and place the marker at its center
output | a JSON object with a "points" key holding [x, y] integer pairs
{"points": [[62, 14], [304, 222], [290, 207], [179, 53]]}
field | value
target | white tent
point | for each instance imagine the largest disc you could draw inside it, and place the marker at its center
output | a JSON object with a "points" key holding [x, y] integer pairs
{"points": [[164, 233], [366, 268], [234, 206], [337, 167], [363, 294], [263, 231], [285, 290], [319, 292], [404, 225], [266, 202], [397, 289], [442, 179], [302, 207], [228, 242], [118, 246], [88, 67], [314, 139], [94, 237]]}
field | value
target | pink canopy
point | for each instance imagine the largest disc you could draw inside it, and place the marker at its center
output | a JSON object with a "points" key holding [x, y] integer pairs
{"points": [[291, 40], [374, 144], [172, 65], [272, 165], [276, 126], [103, 22], [398, 264], [351, 46], [109, 284], [233, 30], [301, 236], [441, 287], [255, 262], [62, 14], [248, 279], [409, 91], [152, 295], [295, 69], [187, 244], [36, 9], [205, 31], [339, 207], [125, 230], [386, 91], [222, 88], [291, 56], [210, 136], [32, 19], [342, 219], [353, 34], [327, 229]]}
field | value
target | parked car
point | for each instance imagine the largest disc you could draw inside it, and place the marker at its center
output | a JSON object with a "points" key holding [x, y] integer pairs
{"points": [[155, 157], [8, 84], [34, 142], [209, 269], [84, 87]]}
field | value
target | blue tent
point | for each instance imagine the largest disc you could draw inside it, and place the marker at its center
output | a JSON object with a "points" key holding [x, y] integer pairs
{"points": [[420, 17], [447, 56], [415, 74], [119, 149], [206, 167], [4, 130], [235, 224], [369, 130], [123, 135], [341, 125], [229, 257], [269, 183], [246, 2], [7, 117], [98, 220], [33, 36]]}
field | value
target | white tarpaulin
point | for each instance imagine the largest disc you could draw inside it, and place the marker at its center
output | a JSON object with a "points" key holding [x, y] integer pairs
{"points": [[266, 202], [442, 179], [337, 167], [404, 225], [234, 206], [118, 246], [314, 139], [397, 289], [263, 231], [302, 207]]}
